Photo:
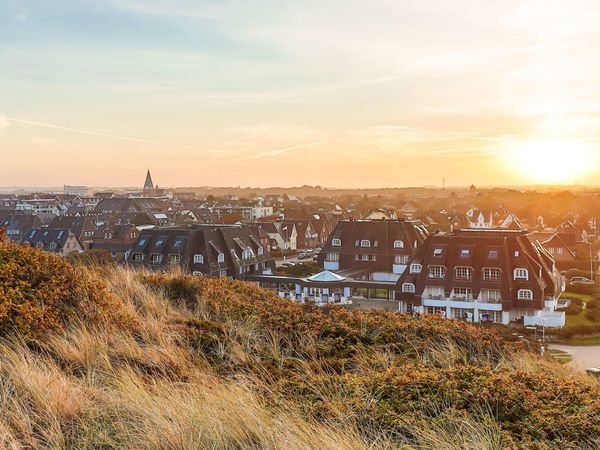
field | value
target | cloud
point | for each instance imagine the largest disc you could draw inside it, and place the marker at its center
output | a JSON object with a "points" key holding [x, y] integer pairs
{"points": [[281, 151], [112, 136]]}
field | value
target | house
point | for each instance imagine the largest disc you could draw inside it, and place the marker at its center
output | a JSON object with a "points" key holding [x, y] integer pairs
{"points": [[380, 249], [281, 237], [213, 250], [116, 239], [556, 246], [17, 225], [480, 219], [60, 241], [496, 276], [306, 234], [83, 227], [382, 214]]}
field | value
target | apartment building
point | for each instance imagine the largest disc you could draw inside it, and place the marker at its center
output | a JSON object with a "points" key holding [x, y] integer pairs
{"points": [[496, 276], [380, 248]]}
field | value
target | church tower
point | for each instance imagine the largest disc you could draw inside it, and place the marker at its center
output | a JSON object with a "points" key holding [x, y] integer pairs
{"points": [[148, 185]]}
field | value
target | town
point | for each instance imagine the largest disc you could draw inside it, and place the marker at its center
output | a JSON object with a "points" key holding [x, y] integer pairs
{"points": [[480, 255]]}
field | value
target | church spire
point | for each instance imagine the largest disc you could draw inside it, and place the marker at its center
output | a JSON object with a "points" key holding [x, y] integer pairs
{"points": [[148, 185]]}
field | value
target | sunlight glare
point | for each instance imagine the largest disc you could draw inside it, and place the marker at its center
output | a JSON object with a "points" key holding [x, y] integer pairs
{"points": [[551, 161]]}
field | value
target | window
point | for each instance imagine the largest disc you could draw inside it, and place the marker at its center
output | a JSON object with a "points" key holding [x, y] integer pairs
{"points": [[401, 259], [437, 252], [465, 252], [398, 244], [198, 259], [32, 234], [332, 257], [491, 274], [247, 254], [221, 258], [517, 253], [365, 257], [155, 258], [365, 243], [493, 254], [376, 244], [53, 246], [521, 274], [490, 295], [39, 245], [462, 294], [261, 250], [437, 272], [60, 235], [559, 251], [416, 268], [408, 287], [142, 242], [159, 243], [175, 259], [464, 273], [177, 243], [138, 257], [525, 294]]}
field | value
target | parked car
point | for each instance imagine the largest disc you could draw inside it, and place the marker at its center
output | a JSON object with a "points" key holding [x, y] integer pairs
{"points": [[288, 264], [303, 255], [594, 371], [581, 280]]}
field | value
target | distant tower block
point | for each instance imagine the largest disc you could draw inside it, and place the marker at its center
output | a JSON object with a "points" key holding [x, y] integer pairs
{"points": [[148, 185]]}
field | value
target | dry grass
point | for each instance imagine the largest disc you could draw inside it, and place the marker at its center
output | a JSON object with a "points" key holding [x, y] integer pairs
{"points": [[91, 387]]}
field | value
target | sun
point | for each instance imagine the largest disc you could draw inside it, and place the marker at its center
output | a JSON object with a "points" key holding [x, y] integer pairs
{"points": [[552, 161]]}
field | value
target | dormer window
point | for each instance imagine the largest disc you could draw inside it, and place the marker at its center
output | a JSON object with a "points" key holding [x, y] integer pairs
{"points": [[465, 252], [198, 259], [336, 242], [261, 250], [493, 254], [221, 258], [398, 244], [408, 287], [517, 254], [521, 274], [365, 243], [416, 268], [525, 294], [437, 252]]}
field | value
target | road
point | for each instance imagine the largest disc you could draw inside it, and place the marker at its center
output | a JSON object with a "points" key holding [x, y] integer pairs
{"points": [[584, 357]]}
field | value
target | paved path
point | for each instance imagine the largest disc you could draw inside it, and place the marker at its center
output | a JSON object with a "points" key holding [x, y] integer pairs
{"points": [[584, 357]]}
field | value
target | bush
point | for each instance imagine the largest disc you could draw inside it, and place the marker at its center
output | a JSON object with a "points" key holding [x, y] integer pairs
{"points": [[93, 257], [41, 292], [575, 307]]}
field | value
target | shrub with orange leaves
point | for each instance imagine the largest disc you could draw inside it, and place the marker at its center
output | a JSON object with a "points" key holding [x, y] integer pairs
{"points": [[41, 292]]}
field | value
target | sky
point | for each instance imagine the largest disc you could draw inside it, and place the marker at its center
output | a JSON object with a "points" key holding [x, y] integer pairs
{"points": [[353, 93]]}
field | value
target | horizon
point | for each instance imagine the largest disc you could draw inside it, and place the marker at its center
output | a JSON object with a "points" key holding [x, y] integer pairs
{"points": [[243, 93]]}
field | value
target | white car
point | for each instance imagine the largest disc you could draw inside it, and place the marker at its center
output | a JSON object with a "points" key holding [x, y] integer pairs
{"points": [[581, 280], [594, 371]]}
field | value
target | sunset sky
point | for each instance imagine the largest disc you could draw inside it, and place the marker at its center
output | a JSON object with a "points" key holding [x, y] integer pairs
{"points": [[350, 93]]}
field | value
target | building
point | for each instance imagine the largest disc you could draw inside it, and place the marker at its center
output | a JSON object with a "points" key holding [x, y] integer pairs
{"points": [[17, 225], [80, 191], [83, 227], [214, 250], [483, 276], [380, 249], [63, 242]]}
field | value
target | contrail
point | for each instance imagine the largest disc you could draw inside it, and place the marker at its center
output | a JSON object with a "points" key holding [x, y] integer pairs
{"points": [[281, 151], [113, 136]]}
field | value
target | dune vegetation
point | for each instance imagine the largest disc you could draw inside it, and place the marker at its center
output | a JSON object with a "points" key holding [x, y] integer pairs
{"points": [[107, 357]]}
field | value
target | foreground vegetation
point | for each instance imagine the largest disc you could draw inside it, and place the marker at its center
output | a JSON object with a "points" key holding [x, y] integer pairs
{"points": [[147, 361]]}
